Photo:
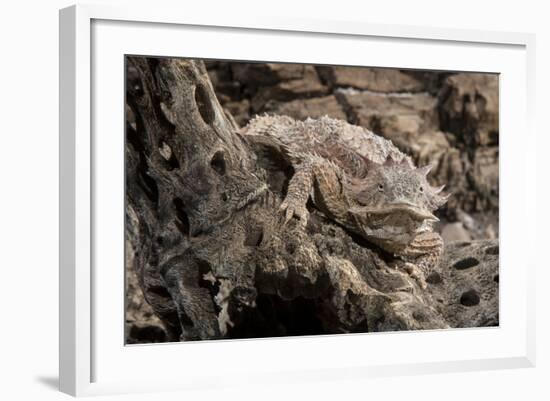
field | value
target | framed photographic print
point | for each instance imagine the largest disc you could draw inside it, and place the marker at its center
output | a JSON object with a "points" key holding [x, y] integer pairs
{"points": [[298, 208]]}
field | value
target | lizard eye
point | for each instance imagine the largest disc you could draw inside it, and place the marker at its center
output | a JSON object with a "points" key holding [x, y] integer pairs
{"points": [[421, 189], [380, 187]]}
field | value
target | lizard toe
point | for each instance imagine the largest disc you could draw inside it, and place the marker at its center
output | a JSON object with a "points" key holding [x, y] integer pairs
{"points": [[290, 209], [416, 273]]}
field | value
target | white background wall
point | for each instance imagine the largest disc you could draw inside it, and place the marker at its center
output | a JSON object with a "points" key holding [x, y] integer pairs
{"points": [[29, 198]]}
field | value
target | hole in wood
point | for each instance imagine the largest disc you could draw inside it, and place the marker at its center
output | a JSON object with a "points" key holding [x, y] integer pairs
{"points": [[254, 236], [492, 250], [434, 278], [470, 298], [218, 162], [171, 162], [204, 104], [148, 184], [466, 263], [182, 221]]}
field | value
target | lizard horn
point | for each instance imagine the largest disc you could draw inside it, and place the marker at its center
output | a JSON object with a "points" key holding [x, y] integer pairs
{"points": [[439, 189], [369, 163], [442, 199], [424, 170], [389, 161]]}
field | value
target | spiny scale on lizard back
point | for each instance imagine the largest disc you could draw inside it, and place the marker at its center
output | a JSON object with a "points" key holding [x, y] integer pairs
{"points": [[344, 144]]}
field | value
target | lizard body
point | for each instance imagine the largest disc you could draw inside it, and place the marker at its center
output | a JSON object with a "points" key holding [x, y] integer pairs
{"points": [[358, 179]]}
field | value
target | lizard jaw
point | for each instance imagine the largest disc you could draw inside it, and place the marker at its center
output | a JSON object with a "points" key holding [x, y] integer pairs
{"points": [[412, 210]]}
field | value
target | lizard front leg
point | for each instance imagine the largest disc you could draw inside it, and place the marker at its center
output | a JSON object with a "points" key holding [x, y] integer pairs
{"points": [[299, 189], [323, 180]]}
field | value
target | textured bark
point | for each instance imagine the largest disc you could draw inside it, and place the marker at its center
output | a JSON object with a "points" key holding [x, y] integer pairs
{"points": [[206, 241]]}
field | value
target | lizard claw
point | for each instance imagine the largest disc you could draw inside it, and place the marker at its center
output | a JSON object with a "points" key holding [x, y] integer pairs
{"points": [[291, 208], [416, 273]]}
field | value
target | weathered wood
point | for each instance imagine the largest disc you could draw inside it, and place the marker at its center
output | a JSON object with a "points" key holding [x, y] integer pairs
{"points": [[205, 237]]}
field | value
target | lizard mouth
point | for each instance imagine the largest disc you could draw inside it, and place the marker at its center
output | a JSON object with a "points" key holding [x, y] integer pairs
{"points": [[413, 211]]}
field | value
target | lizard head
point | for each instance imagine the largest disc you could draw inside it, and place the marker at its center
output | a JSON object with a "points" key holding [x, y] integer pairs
{"points": [[395, 199]]}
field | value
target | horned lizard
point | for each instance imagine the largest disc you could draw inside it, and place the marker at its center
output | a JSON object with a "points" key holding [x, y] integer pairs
{"points": [[359, 180]]}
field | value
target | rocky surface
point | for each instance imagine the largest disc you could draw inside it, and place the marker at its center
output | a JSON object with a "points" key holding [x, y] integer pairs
{"points": [[446, 119], [383, 80], [217, 267]]}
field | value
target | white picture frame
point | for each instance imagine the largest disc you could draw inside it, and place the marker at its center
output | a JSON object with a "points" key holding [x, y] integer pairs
{"points": [[92, 353]]}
